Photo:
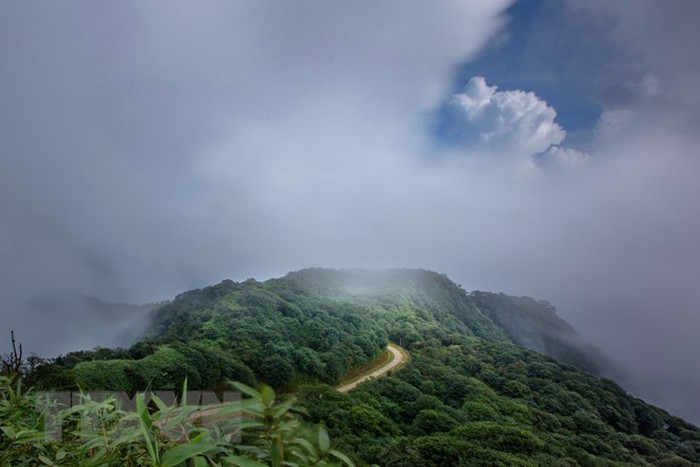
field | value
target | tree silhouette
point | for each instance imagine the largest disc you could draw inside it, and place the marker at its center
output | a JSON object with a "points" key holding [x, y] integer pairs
{"points": [[12, 362]]}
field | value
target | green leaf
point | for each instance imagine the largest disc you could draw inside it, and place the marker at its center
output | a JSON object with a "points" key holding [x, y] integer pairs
{"points": [[181, 453], [159, 403], [234, 407], [247, 390], [276, 456], [183, 397], [283, 407], [267, 395], [254, 450], [342, 457], [9, 431], [241, 461], [28, 436], [306, 445], [147, 428], [324, 442]]}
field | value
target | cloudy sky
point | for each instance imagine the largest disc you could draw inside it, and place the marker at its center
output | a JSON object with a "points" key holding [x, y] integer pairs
{"points": [[544, 148]]}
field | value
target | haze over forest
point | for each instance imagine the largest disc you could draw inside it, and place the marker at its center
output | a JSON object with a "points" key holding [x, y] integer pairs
{"points": [[537, 148]]}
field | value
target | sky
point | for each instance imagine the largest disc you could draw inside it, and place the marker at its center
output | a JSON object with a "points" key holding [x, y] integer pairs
{"points": [[543, 148]]}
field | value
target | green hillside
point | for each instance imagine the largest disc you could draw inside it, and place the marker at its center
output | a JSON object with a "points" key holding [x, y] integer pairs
{"points": [[493, 379]]}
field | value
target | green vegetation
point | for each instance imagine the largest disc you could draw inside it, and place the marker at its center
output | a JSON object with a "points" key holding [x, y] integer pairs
{"points": [[492, 403], [493, 379], [257, 431], [536, 326], [289, 336]]}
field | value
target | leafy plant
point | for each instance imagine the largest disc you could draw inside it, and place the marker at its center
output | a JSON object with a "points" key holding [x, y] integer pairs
{"points": [[100, 433]]}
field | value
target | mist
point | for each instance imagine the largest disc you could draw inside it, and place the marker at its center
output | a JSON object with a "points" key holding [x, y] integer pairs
{"points": [[148, 150]]}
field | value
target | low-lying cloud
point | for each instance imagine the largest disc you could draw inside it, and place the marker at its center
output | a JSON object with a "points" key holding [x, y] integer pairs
{"points": [[147, 151]]}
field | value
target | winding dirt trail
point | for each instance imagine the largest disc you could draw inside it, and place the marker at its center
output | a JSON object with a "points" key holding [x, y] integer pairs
{"points": [[398, 358], [399, 354]]}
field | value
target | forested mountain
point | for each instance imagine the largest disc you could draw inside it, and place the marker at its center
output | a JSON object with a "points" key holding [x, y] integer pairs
{"points": [[522, 320], [535, 325], [493, 379]]}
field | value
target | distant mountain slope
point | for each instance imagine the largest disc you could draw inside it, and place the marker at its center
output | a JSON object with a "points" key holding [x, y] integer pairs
{"points": [[535, 325], [313, 325], [522, 320], [479, 389], [276, 331], [429, 297], [63, 321]]}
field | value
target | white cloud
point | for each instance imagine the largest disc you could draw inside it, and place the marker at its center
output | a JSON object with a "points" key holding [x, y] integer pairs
{"points": [[267, 138], [614, 124], [560, 157], [515, 122]]}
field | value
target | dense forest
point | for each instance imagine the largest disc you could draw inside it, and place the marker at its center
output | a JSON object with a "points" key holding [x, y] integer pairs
{"points": [[492, 379]]}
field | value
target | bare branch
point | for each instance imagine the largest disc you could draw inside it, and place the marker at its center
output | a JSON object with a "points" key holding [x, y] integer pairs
{"points": [[12, 363]]}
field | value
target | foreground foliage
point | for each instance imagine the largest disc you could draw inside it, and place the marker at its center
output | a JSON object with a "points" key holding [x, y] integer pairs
{"points": [[259, 430]]}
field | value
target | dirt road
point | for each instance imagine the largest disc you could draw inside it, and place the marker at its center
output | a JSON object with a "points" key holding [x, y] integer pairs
{"points": [[398, 359]]}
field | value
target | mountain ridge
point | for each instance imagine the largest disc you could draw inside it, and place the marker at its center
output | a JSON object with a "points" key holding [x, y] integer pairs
{"points": [[548, 333], [474, 392]]}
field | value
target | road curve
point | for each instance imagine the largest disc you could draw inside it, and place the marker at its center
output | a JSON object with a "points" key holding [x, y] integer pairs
{"points": [[397, 352], [393, 363]]}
